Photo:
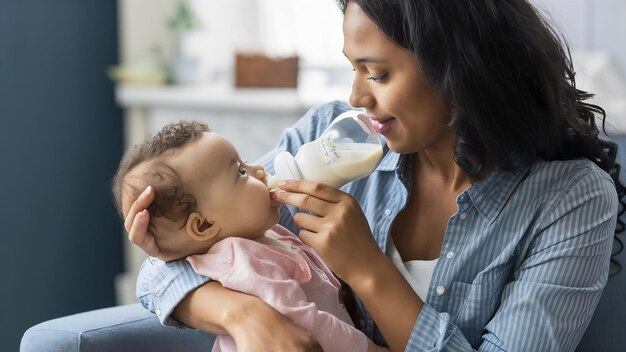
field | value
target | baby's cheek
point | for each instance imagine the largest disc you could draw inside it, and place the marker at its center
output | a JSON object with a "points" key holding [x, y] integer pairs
{"points": [[261, 206]]}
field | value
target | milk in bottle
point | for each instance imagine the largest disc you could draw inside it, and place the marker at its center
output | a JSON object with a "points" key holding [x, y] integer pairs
{"points": [[350, 148]]}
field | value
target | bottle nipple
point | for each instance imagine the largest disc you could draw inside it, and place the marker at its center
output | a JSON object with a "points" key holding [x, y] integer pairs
{"points": [[271, 182]]}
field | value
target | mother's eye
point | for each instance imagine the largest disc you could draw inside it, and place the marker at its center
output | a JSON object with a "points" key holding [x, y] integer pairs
{"points": [[378, 78], [242, 170]]}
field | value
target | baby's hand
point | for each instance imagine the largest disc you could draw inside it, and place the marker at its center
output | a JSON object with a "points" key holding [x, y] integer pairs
{"points": [[136, 223]]}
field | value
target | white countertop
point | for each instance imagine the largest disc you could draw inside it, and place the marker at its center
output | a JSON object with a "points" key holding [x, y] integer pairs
{"points": [[219, 96]]}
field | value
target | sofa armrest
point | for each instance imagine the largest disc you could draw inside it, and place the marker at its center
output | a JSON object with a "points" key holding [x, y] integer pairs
{"points": [[124, 328]]}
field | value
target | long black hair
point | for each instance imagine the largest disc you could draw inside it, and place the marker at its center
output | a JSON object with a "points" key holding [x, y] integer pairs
{"points": [[509, 80]]}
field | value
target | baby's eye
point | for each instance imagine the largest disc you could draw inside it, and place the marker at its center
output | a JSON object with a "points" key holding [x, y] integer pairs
{"points": [[242, 170]]}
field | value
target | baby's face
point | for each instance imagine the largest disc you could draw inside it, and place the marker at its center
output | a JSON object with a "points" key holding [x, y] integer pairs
{"points": [[226, 189]]}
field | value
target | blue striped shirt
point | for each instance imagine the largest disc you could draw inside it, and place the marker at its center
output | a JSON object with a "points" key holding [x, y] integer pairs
{"points": [[522, 266]]}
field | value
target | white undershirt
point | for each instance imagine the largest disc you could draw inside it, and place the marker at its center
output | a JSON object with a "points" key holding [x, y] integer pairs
{"points": [[417, 273]]}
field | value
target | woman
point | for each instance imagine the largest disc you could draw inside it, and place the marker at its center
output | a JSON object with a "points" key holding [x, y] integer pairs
{"points": [[491, 216]]}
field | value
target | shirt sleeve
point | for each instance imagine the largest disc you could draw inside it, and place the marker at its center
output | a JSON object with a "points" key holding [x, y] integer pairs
{"points": [[556, 286], [161, 286]]}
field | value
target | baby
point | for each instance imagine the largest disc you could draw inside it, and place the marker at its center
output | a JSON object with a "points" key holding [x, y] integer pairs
{"points": [[214, 210]]}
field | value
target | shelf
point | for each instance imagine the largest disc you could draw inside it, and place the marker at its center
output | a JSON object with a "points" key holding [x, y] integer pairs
{"points": [[222, 97]]}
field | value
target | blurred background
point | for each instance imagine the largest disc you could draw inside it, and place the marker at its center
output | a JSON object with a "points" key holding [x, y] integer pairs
{"points": [[80, 81]]}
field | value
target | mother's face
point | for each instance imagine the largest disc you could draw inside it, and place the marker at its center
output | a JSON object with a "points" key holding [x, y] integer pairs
{"points": [[390, 85]]}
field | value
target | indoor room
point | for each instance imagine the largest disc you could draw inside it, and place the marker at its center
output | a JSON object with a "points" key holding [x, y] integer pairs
{"points": [[84, 83]]}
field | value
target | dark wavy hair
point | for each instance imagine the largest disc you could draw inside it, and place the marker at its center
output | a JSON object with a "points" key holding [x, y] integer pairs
{"points": [[509, 79], [171, 201]]}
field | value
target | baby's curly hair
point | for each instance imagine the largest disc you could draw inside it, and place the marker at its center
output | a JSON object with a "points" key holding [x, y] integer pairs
{"points": [[170, 200]]}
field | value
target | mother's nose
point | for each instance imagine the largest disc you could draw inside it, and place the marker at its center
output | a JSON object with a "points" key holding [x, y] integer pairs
{"points": [[361, 97]]}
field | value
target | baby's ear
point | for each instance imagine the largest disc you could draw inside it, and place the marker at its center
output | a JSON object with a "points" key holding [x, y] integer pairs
{"points": [[200, 228]]}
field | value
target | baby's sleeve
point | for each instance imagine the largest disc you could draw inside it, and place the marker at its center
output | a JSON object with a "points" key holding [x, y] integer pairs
{"points": [[162, 286]]}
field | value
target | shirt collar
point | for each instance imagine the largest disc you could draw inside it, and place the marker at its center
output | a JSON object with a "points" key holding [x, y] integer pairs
{"points": [[488, 196], [491, 194], [389, 161]]}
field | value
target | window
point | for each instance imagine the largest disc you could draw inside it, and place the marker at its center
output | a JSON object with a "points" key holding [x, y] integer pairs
{"points": [[309, 28]]}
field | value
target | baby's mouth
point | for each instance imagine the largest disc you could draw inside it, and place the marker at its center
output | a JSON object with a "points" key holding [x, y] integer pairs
{"points": [[273, 202]]}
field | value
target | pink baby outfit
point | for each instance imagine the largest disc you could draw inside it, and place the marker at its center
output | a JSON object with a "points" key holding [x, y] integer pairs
{"points": [[294, 281]]}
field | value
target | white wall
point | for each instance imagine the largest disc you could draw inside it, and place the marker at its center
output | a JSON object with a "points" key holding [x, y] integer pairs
{"points": [[589, 25], [596, 32], [226, 27], [592, 25]]}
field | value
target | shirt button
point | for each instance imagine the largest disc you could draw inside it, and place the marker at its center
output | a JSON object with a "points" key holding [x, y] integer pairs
{"points": [[342, 306], [387, 212], [440, 290], [463, 216], [450, 254], [158, 312]]}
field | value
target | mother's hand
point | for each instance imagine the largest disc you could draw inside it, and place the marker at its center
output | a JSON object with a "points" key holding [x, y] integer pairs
{"points": [[337, 229], [136, 223], [252, 323]]}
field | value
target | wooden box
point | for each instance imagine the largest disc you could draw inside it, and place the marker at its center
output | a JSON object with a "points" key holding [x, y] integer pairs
{"points": [[257, 70]]}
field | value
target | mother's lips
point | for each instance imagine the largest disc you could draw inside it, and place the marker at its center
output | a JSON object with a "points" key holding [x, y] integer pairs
{"points": [[383, 126]]}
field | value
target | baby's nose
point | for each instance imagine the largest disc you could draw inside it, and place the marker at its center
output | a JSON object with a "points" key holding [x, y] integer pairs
{"points": [[260, 174]]}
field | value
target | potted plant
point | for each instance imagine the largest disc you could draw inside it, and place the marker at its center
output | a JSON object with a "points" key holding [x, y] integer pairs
{"points": [[184, 66]]}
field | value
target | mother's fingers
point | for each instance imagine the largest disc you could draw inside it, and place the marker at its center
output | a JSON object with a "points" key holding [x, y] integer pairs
{"points": [[303, 201], [140, 236], [308, 221], [142, 202], [317, 190], [312, 239]]}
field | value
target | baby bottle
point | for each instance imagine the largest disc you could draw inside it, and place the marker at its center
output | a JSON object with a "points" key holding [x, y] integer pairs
{"points": [[350, 148]]}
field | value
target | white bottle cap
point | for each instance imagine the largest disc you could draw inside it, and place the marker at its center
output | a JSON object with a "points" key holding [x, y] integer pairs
{"points": [[286, 168]]}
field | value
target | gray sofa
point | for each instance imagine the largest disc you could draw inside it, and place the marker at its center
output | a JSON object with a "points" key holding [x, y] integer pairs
{"points": [[123, 328]]}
